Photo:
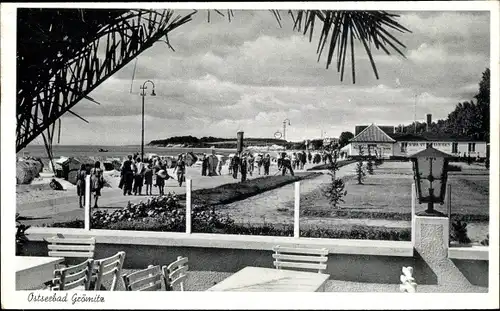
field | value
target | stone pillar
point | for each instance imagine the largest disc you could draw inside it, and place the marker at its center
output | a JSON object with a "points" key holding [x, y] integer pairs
{"points": [[431, 242]]}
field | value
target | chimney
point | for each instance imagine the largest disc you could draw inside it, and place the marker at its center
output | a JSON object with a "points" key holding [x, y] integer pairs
{"points": [[429, 121]]}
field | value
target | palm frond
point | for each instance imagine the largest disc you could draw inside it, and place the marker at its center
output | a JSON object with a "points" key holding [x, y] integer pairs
{"points": [[337, 28]]}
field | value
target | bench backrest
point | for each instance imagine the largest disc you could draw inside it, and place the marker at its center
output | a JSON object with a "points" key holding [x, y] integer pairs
{"points": [[107, 268], [71, 247], [175, 273], [300, 258], [149, 279], [74, 277]]}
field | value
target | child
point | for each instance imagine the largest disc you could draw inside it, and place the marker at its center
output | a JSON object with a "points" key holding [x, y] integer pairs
{"points": [[148, 179]]}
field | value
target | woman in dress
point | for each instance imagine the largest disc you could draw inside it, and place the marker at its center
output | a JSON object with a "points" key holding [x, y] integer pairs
{"points": [[96, 181], [180, 167], [160, 181], [80, 184]]}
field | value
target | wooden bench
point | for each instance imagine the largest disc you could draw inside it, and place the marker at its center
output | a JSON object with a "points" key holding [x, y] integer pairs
{"points": [[71, 247], [300, 258]]}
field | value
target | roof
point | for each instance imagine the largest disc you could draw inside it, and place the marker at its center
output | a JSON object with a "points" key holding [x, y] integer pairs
{"points": [[372, 134], [430, 136], [431, 152], [386, 128]]}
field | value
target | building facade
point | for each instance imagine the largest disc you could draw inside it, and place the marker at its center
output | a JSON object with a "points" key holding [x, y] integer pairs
{"points": [[375, 141]]}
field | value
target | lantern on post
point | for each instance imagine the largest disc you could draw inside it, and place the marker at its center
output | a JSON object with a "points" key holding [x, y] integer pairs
{"points": [[430, 171]]}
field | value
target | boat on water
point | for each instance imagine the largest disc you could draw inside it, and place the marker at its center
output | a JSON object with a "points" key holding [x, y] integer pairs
{"points": [[103, 150]]}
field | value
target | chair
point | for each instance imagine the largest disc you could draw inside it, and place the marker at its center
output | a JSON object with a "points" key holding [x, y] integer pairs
{"points": [[149, 279], [107, 268], [71, 247], [301, 258], [175, 273], [74, 277]]}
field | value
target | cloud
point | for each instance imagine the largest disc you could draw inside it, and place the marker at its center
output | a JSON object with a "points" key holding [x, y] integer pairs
{"points": [[250, 75]]}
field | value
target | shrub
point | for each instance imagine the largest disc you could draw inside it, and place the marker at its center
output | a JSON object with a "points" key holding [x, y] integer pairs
{"points": [[459, 232], [360, 171], [21, 238], [335, 190]]}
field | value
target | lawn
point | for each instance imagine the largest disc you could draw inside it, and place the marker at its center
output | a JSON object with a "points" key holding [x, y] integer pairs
{"points": [[387, 195]]}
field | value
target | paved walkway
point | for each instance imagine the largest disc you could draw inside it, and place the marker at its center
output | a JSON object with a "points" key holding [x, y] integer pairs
{"points": [[67, 208]]}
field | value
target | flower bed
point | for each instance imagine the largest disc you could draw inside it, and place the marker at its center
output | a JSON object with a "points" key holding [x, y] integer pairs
{"points": [[167, 214]]}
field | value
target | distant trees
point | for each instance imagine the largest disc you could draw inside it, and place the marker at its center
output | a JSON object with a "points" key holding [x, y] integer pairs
{"points": [[344, 138], [468, 118]]}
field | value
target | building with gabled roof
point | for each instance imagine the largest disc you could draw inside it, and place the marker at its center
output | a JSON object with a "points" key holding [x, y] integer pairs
{"points": [[372, 140], [385, 143]]}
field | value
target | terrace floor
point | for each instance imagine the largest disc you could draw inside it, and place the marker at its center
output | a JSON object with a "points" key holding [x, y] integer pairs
{"points": [[203, 280]]}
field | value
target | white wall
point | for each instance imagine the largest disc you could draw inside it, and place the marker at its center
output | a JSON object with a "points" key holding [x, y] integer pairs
{"points": [[444, 146]]}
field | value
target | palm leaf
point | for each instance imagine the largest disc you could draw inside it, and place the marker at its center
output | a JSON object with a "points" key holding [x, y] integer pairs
{"points": [[338, 27]]}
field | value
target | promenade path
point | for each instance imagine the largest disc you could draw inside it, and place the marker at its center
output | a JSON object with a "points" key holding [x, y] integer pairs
{"points": [[67, 208]]}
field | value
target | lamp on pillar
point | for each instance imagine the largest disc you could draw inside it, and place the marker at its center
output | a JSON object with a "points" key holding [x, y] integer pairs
{"points": [[430, 171]]}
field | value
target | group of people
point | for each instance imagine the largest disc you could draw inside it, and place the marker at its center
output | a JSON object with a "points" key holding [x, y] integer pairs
{"points": [[96, 183], [245, 164], [135, 174]]}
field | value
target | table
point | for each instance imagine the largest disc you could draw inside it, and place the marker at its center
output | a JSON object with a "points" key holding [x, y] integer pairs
{"points": [[256, 279], [33, 271]]}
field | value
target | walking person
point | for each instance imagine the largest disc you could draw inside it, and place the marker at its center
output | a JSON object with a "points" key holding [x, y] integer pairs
{"points": [[258, 160], [128, 175], [138, 176], [96, 181], [303, 159], [180, 167], [309, 157], [148, 179], [236, 164], [219, 166], [161, 175], [229, 163], [244, 167], [81, 175], [204, 165], [251, 160], [266, 162]]}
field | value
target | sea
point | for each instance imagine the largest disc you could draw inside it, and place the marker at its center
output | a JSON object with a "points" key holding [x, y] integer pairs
{"points": [[112, 151]]}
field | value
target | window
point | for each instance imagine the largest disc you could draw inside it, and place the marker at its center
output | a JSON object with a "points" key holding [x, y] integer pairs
{"points": [[454, 148], [472, 147], [429, 145], [404, 147]]}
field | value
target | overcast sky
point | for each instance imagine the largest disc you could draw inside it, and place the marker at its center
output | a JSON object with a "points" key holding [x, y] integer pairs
{"points": [[250, 75]]}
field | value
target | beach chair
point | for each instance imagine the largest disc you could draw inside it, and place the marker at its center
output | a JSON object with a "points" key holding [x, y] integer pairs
{"points": [[300, 258], [75, 277], [149, 279], [108, 268], [175, 273]]}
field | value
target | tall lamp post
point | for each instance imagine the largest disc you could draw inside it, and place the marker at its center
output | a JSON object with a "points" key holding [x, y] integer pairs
{"points": [[143, 94], [430, 174], [284, 128]]}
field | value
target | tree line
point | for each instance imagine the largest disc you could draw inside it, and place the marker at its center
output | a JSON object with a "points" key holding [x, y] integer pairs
{"points": [[471, 119]]}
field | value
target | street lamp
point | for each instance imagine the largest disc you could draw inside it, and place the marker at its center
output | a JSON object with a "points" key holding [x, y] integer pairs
{"points": [[143, 94], [430, 174], [284, 128]]}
